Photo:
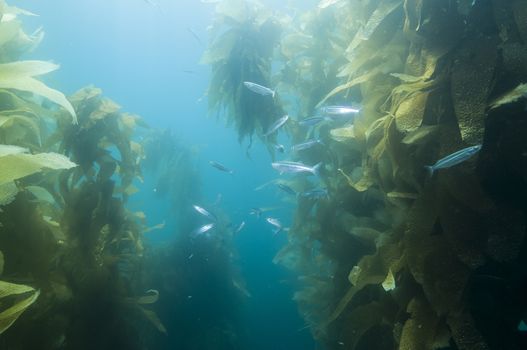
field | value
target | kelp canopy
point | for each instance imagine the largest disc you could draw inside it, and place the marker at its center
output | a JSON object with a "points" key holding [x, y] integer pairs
{"points": [[394, 259]]}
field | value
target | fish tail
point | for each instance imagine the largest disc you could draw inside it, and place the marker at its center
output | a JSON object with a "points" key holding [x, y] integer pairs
{"points": [[430, 170], [316, 169]]}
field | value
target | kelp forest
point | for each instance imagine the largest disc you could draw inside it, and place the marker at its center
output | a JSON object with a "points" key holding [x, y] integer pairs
{"points": [[398, 253]]}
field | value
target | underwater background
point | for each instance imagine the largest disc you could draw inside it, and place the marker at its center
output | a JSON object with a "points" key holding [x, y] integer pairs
{"points": [[239, 174]]}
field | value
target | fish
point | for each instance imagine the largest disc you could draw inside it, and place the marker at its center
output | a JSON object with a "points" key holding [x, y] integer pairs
{"points": [[239, 227], [276, 125], [280, 148], [262, 186], [221, 167], [453, 159], [217, 202], [256, 211], [286, 189], [276, 223], [205, 213], [204, 228], [259, 89], [316, 193], [195, 35], [311, 121], [305, 145], [339, 110], [295, 167]]}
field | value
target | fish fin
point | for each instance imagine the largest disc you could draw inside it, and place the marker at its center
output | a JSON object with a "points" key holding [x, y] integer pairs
{"points": [[430, 170], [316, 169], [274, 92]]}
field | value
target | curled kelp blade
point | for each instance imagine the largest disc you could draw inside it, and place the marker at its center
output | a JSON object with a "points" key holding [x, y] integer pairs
{"points": [[151, 296], [18, 165], [10, 315], [20, 76]]}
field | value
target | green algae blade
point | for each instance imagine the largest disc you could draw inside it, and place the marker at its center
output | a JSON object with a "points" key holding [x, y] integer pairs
{"points": [[20, 76], [10, 315], [18, 165]]}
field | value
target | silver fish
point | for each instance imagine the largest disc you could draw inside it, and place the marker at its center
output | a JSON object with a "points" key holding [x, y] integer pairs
{"points": [[221, 167], [259, 89], [295, 167], [276, 223], [205, 213], [286, 189], [305, 145], [315, 194], [339, 110], [256, 212], [203, 229], [276, 125], [311, 121], [453, 159], [280, 148], [240, 227]]}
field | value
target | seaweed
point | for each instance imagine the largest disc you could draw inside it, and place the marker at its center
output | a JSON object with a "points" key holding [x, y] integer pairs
{"points": [[407, 250], [243, 38]]}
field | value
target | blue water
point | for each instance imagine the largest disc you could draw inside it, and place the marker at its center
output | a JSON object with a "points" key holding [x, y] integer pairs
{"points": [[146, 59]]}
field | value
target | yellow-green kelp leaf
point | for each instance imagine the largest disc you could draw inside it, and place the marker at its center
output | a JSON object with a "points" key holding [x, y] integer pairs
{"points": [[41, 194], [18, 165], [10, 123], [150, 297], [19, 76], [371, 269], [343, 134], [10, 315], [155, 227], [514, 95], [154, 319], [363, 184], [106, 107], [8, 191], [389, 282], [10, 149], [424, 330]]}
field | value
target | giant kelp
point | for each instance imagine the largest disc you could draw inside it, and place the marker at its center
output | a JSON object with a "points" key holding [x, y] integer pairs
{"points": [[244, 35], [171, 165], [393, 258], [69, 246]]}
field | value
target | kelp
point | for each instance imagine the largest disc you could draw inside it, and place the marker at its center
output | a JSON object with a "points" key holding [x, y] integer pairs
{"points": [[241, 53], [9, 315], [407, 250], [171, 165], [20, 76]]}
